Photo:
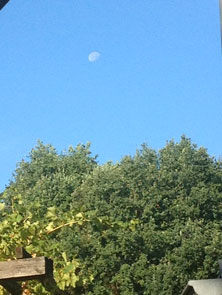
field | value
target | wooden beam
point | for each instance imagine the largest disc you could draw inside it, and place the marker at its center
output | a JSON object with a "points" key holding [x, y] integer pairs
{"points": [[50, 285], [26, 269], [21, 253], [12, 287]]}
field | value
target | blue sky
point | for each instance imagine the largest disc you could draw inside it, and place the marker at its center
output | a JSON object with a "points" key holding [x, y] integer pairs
{"points": [[158, 76]]}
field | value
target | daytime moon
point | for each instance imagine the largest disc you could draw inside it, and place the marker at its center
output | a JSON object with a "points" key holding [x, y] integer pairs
{"points": [[94, 56]]}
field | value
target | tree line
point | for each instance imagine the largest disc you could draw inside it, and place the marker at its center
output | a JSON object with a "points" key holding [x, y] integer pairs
{"points": [[142, 226]]}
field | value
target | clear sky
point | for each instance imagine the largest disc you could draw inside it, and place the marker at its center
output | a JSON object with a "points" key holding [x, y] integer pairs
{"points": [[157, 74]]}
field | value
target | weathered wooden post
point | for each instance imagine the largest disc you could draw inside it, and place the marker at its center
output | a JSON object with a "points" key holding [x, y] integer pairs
{"points": [[27, 268]]}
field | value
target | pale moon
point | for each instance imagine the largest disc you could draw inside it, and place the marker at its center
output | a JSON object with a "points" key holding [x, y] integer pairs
{"points": [[94, 56]]}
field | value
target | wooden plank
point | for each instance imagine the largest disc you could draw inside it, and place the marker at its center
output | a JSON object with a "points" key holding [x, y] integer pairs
{"points": [[26, 269], [21, 253]]}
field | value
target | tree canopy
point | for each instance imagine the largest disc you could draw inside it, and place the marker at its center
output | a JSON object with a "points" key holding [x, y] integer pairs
{"points": [[142, 226]]}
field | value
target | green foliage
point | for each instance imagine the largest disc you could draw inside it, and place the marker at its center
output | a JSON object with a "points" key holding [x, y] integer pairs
{"points": [[145, 225]]}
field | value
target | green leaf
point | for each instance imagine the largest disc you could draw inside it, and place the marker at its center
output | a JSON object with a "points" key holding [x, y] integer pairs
{"points": [[2, 206], [51, 212], [79, 215], [69, 268], [19, 218], [64, 256]]}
